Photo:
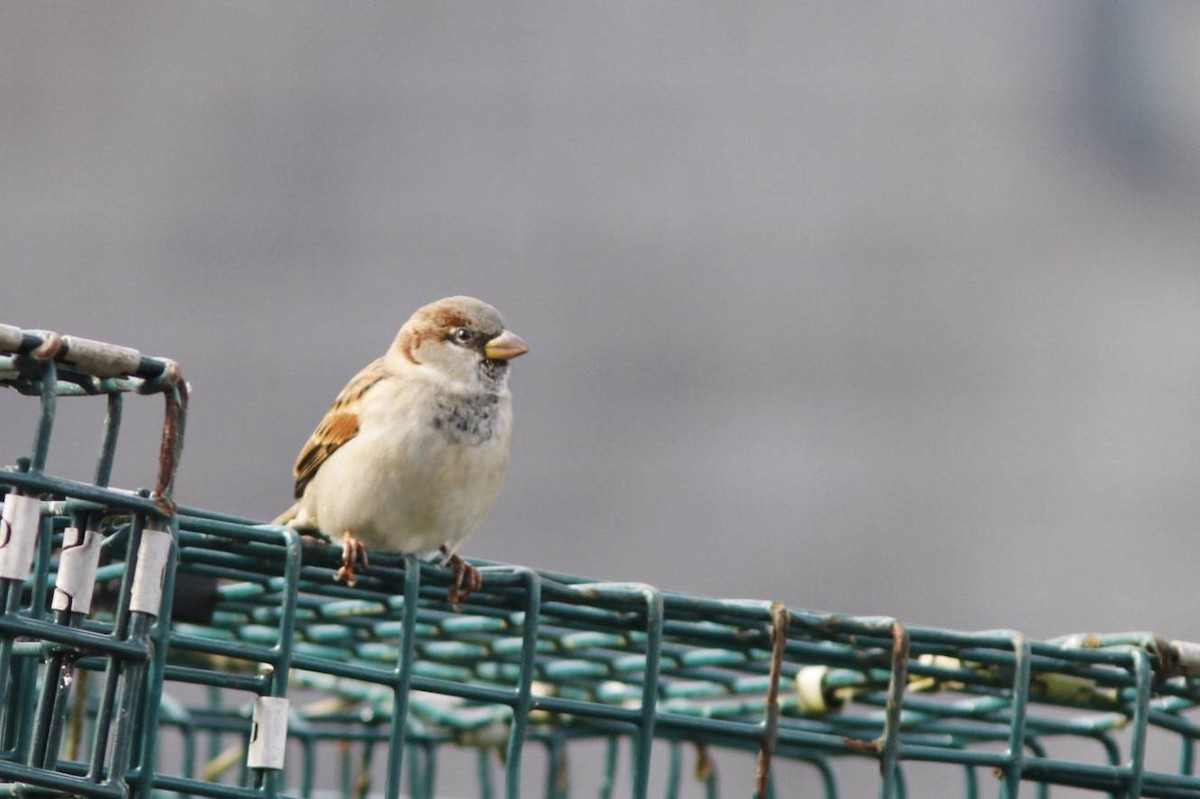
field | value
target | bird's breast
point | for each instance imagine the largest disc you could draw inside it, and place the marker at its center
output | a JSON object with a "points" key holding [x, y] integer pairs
{"points": [[467, 420]]}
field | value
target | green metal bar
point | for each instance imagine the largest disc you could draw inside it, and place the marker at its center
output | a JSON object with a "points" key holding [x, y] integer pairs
{"points": [[483, 772], [346, 770], [45, 425], [1187, 752], [55, 693], [34, 484], [52, 706], [416, 788], [674, 770], [430, 771], [115, 669], [157, 637], [645, 737], [1137, 744], [1020, 697], [27, 698], [308, 770], [828, 778], [108, 443], [612, 753], [281, 652], [522, 703], [403, 678], [889, 743], [1035, 746], [10, 594], [130, 690], [557, 774], [15, 772]]}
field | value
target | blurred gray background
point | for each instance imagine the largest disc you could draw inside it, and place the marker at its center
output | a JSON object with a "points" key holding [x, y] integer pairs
{"points": [[878, 309], [883, 309]]}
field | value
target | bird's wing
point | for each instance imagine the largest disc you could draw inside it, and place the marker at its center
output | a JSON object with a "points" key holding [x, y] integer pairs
{"points": [[339, 425]]}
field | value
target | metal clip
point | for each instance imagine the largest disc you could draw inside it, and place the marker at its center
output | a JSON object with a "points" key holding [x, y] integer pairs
{"points": [[1188, 654], [268, 733], [19, 523], [77, 571], [153, 556]]}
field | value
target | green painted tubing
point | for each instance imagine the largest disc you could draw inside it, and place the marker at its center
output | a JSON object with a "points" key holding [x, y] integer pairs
{"points": [[415, 785], [674, 770], [281, 652], [1035, 746], [10, 593], [1187, 749], [970, 783], [1137, 743], [401, 679], [15, 772], [346, 770], [483, 772], [27, 699], [114, 667], [901, 785], [70, 636], [1020, 699], [42, 483], [253, 683], [131, 690], [430, 771], [46, 413], [645, 734], [828, 779], [108, 441], [51, 710], [612, 754], [889, 741], [524, 692], [199, 788]]}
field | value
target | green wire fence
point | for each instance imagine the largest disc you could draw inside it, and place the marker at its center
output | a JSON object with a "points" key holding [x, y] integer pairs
{"points": [[264, 677]]}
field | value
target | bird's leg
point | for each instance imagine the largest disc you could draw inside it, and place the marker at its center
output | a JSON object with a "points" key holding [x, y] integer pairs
{"points": [[467, 578], [354, 553]]}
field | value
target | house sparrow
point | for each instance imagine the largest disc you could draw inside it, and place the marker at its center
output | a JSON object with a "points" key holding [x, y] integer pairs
{"points": [[415, 448]]}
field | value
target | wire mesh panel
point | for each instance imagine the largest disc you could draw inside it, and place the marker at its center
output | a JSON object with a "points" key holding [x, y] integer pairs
{"points": [[273, 679], [54, 628]]}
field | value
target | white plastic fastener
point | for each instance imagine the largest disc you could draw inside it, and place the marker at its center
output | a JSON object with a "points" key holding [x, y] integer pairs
{"points": [[1189, 656], [153, 555], [77, 571], [10, 338], [268, 733], [18, 536], [99, 358], [810, 685]]}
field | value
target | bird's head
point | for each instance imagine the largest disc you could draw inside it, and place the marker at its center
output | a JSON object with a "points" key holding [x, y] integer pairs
{"points": [[461, 337]]}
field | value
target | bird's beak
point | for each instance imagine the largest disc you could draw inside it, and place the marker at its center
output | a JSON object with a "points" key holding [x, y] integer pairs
{"points": [[505, 346]]}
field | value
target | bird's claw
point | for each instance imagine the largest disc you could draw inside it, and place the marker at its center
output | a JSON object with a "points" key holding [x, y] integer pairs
{"points": [[467, 580], [313, 538], [354, 559]]}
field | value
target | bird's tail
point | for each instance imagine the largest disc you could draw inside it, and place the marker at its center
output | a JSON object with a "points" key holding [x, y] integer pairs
{"points": [[289, 515]]}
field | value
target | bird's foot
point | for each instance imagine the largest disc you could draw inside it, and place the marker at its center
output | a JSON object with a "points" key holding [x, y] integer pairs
{"points": [[354, 554], [313, 537], [467, 578]]}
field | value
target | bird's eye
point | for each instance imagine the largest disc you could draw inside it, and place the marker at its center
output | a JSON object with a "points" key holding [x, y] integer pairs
{"points": [[463, 335]]}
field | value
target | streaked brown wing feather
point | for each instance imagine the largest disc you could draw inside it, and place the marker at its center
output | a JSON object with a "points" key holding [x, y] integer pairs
{"points": [[339, 426]]}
